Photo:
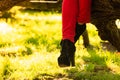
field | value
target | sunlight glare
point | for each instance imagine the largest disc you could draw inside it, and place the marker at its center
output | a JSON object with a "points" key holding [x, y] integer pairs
{"points": [[5, 28], [118, 23]]}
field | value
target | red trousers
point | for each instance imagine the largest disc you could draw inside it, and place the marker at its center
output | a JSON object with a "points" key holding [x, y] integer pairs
{"points": [[74, 11]]}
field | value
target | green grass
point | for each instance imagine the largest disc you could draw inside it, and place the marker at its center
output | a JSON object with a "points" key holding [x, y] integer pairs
{"points": [[29, 48]]}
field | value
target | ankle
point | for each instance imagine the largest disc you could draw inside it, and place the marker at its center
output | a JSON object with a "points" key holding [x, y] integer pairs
{"points": [[81, 23]]}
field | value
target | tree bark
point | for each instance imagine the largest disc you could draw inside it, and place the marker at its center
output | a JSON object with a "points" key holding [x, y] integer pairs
{"points": [[7, 4], [104, 15]]}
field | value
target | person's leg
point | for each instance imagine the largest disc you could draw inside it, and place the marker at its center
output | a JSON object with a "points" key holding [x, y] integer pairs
{"points": [[84, 11], [69, 18], [83, 17]]}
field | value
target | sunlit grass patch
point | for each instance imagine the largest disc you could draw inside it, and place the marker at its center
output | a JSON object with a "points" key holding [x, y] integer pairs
{"points": [[35, 29], [30, 67]]}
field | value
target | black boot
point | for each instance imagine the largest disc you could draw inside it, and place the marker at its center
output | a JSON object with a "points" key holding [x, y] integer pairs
{"points": [[67, 54], [79, 31]]}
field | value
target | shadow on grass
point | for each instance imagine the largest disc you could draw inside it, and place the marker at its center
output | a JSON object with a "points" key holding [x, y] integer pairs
{"points": [[95, 68]]}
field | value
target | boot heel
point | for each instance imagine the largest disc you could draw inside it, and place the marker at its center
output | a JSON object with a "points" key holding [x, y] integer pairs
{"points": [[72, 60], [63, 61]]}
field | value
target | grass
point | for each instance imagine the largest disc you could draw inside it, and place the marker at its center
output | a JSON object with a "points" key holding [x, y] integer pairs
{"points": [[29, 47]]}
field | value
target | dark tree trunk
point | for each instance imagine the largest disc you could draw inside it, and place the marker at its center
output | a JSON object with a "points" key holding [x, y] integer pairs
{"points": [[104, 15]]}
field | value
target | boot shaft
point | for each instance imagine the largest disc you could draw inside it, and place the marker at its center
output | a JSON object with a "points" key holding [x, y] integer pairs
{"points": [[79, 31]]}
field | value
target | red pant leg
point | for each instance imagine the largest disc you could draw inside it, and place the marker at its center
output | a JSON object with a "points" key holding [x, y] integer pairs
{"points": [[84, 11], [69, 18]]}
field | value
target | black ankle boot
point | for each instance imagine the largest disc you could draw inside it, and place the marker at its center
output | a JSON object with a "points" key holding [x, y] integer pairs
{"points": [[79, 31], [67, 54]]}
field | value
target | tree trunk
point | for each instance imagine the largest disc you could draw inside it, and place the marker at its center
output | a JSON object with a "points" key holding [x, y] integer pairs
{"points": [[104, 15]]}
